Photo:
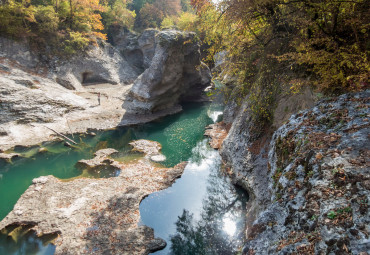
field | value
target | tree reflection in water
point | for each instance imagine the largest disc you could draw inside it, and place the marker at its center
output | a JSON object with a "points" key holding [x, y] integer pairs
{"points": [[220, 229]]}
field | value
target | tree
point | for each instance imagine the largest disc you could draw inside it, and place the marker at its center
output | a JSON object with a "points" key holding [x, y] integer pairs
{"points": [[16, 18], [119, 15], [150, 16], [187, 22], [324, 39], [85, 16], [168, 22], [47, 19]]}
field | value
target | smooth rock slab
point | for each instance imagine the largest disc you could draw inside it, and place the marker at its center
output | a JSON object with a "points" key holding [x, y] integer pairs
{"points": [[95, 216], [101, 159], [151, 149]]}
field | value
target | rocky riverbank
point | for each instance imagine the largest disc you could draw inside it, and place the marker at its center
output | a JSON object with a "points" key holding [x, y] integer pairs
{"points": [[39, 94], [308, 182], [95, 215]]}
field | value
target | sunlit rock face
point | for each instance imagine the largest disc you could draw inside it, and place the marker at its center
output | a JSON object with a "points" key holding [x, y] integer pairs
{"points": [[175, 74], [217, 132], [151, 149], [100, 63]]}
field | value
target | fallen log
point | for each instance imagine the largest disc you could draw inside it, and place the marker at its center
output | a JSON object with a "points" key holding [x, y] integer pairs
{"points": [[62, 135]]}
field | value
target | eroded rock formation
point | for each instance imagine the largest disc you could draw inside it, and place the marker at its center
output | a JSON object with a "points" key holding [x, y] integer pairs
{"points": [[38, 90], [175, 74]]}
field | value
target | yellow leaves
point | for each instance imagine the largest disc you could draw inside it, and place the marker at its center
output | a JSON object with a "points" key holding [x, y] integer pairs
{"points": [[186, 21], [88, 10], [168, 22]]}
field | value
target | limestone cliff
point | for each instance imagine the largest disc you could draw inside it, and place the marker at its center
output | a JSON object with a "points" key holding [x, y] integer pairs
{"points": [[308, 181]]}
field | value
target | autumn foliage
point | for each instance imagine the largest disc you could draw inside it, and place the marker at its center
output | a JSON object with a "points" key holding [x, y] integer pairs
{"points": [[324, 42], [73, 24]]}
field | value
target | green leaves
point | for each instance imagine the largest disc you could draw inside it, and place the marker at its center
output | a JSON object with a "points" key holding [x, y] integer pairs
{"points": [[331, 215]]}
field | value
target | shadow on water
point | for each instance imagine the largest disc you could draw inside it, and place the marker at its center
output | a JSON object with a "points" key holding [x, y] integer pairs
{"points": [[58, 160], [22, 240]]}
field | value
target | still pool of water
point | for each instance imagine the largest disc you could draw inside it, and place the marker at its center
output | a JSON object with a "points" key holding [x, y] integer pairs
{"points": [[202, 213], [181, 136]]}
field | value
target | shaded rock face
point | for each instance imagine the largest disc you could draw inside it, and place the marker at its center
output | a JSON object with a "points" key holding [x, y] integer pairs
{"points": [[245, 155], [95, 216], [138, 50], [19, 51], [220, 60], [310, 192], [175, 73]]}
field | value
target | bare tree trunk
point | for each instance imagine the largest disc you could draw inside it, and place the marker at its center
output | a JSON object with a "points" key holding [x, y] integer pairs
{"points": [[71, 20]]}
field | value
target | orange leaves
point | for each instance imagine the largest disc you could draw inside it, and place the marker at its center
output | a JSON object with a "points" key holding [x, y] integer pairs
{"points": [[100, 35], [319, 156], [93, 5], [96, 22]]}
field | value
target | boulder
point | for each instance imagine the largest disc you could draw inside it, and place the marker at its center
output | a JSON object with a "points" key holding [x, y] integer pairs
{"points": [[101, 159], [8, 157], [151, 149]]}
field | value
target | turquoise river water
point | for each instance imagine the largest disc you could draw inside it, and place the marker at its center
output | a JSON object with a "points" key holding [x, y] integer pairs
{"points": [[202, 213]]}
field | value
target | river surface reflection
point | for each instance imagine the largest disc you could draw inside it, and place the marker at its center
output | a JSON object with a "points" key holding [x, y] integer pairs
{"points": [[202, 213]]}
